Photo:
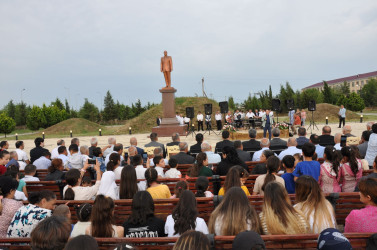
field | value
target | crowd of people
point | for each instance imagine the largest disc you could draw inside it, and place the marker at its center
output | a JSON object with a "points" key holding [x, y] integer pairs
{"points": [[308, 167]]}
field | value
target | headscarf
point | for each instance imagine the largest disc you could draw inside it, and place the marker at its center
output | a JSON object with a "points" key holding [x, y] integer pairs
{"points": [[331, 238], [108, 186]]}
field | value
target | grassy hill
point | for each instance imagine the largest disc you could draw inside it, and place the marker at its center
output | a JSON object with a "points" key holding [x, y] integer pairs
{"points": [[144, 122], [331, 111]]}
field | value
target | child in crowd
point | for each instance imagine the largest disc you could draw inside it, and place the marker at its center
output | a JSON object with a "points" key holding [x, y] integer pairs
{"points": [[288, 163], [308, 166], [157, 190], [173, 172], [86, 181], [159, 165], [30, 171], [4, 159], [273, 164], [298, 158], [179, 188], [351, 170], [201, 186], [329, 175], [83, 212], [235, 178]]}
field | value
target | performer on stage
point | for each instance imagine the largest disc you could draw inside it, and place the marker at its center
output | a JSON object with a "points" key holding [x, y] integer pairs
{"points": [[199, 117], [229, 117], [342, 115], [187, 121], [218, 118], [208, 122], [250, 116], [267, 122]]}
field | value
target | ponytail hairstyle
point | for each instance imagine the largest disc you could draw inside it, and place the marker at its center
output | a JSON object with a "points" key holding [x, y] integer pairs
{"points": [[151, 176], [102, 217], [234, 176], [350, 156], [195, 170], [83, 211], [114, 160], [179, 188], [72, 178], [201, 185], [273, 164], [332, 157]]}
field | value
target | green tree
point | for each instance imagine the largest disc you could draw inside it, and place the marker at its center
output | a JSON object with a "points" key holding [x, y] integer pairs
{"points": [[11, 109], [345, 88], [286, 93], [21, 114], [231, 104], [89, 111], [310, 94], [354, 102], [57, 103], [328, 94], [109, 111], [35, 118], [369, 93], [53, 115], [7, 124], [67, 108]]}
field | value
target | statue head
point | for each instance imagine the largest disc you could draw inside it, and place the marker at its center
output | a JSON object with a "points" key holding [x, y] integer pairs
{"points": [[165, 53]]}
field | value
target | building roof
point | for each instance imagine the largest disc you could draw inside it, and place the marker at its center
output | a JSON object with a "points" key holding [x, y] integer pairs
{"points": [[344, 79]]}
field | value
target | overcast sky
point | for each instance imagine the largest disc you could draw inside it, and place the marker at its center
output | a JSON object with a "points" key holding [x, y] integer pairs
{"points": [[78, 49]]}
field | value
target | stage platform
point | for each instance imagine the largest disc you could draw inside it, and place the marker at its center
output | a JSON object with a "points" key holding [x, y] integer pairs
{"points": [[243, 135]]}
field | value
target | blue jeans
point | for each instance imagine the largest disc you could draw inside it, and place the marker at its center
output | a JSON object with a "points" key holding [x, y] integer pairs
{"points": [[265, 128]]}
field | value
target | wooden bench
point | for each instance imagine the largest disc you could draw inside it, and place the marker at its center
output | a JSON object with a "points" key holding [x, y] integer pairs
{"points": [[301, 241]]}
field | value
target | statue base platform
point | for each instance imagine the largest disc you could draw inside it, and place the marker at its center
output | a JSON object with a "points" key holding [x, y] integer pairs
{"points": [[166, 130]]}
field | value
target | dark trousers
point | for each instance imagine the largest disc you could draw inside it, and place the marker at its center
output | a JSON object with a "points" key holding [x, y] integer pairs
{"points": [[208, 125], [252, 122], [342, 119], [265, 129], [219, 125], [200, 125]]}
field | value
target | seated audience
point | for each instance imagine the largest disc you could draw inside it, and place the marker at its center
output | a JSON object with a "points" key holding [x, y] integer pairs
{"points": [[326, 139], [114, 165], [13, 159], [196, 148], [4, 159], [63, 155], [37, 152], [44, 161], [298, 158], [230, 159], [159, 165], [200, 167], [28, 216], [82, 242], [329, 174], [185, 217], [128, 186], [97, 155], [261, 168], [234, 215], [8, 187], [142, 221], [117, 149], [372, 175], [308, 166], [83, 213], [110, 148], [51, 234], [311, 201], [212, 157], [301, 139], [252, 144], [244, 156], [154, 143], [93, 145], [175, 140], [179, 188], [372, 146], [22, 156], [30, 171], [364, 163], [347, 131], [84, 151], [75, 160], [173, 172], [157, 190], [364, 220], [62, 210], [137, 162], [201, 186], [291, 150], [288, 163], [363, 145], [156, 152], [332, 238], [235, 178], [108, 187], [276, 142], [73, 190], [133, 143], [318, 148], [192, 240], [248, 240], [101, 219], [224, 143], [21, 192], [182, 157], [273, 165], [55, 171], [351, 170], [278, 216], [265, 144]]}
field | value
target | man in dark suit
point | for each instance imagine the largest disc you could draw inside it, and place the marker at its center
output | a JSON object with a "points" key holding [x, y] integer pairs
{"points": [[154, 143], [224, 142], [176, 140], [276, 142], [182, 157], [326, 139], [196, 148], [38, 151], [301, 140], [252, 144], [244, 156], [133, 143]]}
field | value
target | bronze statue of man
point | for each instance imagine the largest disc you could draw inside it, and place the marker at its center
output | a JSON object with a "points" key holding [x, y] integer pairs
{"points": [[166, 68]]}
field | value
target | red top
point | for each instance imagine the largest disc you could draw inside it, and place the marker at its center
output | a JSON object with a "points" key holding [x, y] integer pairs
{"points": [[297, 120], [3, 169]]}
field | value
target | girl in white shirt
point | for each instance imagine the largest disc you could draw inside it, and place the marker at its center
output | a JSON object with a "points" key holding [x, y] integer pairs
{"points": [[185, 217], [108, 186]]}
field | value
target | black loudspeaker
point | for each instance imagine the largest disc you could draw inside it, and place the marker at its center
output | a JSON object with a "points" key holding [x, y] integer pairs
{"points": [[290, 104], [275, 104], [208, 109], [190, 112], [312, 105], [223, 107]]}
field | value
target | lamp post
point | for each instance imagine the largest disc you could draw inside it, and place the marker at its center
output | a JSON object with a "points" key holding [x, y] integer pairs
{"points": [[361, 118], [70, 132], [43, 135], [100, 132], [130, 130], [327, 120]]}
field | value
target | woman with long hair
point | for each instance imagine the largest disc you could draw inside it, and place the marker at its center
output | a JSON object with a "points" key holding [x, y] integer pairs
{"points": [[157, 190], [261, 168], [102, 219], [73, 178], [185, 217], [201, 186], [273, 164], [311, 201], [200, 167], [329, 174], [234, 215], [278, 216], [192, 240], [230, 159], [351, 170], [235, 178], [114, 165], [55, 171], [128, 183], [142, 222]]}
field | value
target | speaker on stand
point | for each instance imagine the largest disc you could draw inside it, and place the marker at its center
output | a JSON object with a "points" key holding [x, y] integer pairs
{"points": [[276, 107], [190, 114], [312, 107], [208, 111], [223, 109]]}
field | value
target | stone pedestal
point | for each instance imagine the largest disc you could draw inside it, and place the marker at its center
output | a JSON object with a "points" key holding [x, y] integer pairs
{"points": [[169, 123]]}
